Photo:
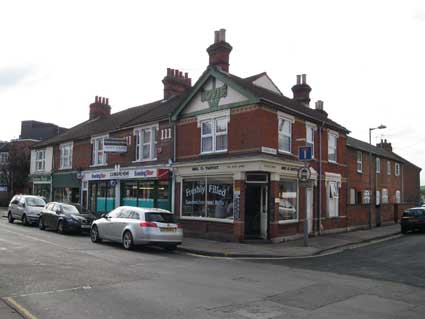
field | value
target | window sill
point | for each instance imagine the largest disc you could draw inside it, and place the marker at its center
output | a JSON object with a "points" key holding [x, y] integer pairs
{"points": [[144, 161], [65, 168], [98, 165], [290, 221], [332, 162], [285, 152], [213, 152], [208, 219]]}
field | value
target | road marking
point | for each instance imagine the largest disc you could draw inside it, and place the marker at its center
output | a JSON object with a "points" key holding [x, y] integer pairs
{"points": [[55, 291], [24, 312]]}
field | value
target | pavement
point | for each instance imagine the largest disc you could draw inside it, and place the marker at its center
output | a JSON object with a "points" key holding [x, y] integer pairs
{"points": [[316, 245]]}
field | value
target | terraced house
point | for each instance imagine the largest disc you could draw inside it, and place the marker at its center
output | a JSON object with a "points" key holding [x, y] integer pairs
{"points": [[223, 155]]}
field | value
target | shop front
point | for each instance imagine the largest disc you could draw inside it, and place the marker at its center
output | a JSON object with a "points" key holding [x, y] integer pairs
{"points": [[103, 190], [66, 187], [42, 186], [254, 198]]}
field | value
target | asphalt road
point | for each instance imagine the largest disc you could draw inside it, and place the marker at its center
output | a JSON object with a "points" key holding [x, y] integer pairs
{"points": [[56, 276]]}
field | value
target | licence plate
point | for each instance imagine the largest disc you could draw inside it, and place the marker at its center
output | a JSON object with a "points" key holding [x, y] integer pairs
{"points": [[85, 226], [168, 229]]}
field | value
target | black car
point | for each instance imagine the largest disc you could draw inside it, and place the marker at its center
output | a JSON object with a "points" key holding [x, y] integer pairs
{"points": [[65, 218], [413, 219]]}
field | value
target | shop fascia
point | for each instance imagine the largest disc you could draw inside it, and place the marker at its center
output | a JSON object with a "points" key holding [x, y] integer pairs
{"points": [[126, 173]]}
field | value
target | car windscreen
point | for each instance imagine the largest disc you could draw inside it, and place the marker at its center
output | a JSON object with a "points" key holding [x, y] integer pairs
{"points": [[160, 217], [414, 213], [69, 209], [35, 201]]}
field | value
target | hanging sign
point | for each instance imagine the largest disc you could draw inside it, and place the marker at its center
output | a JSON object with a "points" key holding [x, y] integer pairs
{"points": [[115, 145]]}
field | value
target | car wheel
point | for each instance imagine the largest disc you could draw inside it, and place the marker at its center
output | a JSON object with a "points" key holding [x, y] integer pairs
{"points": [[127, 240], [94, 235], [170, 247], [10, 218], [60, 227], [25, 220], [41, 224]]}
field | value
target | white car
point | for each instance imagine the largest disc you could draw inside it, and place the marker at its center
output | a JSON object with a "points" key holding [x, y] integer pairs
{"points": [[138, 226], [26, 208]]}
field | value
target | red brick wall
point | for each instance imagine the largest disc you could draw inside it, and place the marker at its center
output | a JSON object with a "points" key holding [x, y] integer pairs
{"points": [[411, 183]]}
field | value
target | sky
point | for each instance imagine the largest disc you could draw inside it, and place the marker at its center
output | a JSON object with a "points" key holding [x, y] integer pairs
{"points": [[364, 59]]}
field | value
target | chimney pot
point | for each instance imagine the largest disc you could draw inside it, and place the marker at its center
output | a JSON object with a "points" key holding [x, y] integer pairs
{"points": [[216, 36], [304, 78], [219, 51], [107, 101], [185, 75], [298, 78]]}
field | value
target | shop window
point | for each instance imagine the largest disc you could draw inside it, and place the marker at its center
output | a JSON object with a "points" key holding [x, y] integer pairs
{"points": [[162, 196], [214, 135], [208, 197], [288, 208], [102, 196], [146, 143], [65, 156], [99, 155], [145, 194], [40, 160], [42, 190], [332, 147], [66, 195], [333, 199]]}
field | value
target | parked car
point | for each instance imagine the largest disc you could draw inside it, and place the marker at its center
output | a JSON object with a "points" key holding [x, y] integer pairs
{"points": [[138, 226], [64, 218], [413, 219], [26, 208]]}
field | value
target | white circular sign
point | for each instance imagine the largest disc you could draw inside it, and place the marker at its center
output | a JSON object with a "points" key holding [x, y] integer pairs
{"points": [[304, 174]]}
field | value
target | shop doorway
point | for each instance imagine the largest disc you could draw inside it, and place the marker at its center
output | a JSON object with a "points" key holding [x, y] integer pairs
{"points": [[256, 209]]}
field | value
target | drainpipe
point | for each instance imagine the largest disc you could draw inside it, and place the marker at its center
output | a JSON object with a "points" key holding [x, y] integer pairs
{"points": [[173, 177], [319, 211]]}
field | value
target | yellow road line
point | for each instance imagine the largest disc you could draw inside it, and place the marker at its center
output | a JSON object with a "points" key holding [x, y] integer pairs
{"points": [[19, 308]]}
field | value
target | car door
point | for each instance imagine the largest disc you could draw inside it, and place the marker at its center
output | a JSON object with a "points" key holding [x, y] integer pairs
{"points": [[20, 208], [119, 224], [13, 206], [106, 226]]}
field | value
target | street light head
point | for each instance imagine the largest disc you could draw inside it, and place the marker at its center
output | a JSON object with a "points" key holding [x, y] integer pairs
{"points": [[381, 127]]}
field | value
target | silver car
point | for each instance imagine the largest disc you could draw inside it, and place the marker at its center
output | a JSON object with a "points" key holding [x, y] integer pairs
{"points": [[138, 226], [26, 208]]}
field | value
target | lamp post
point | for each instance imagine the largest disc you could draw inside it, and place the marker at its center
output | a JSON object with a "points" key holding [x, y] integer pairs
{"points": [[380, 127]]}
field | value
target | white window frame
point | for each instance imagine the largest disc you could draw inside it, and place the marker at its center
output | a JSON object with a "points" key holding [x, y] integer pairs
{"points": [[312, 128], [65, 159], [397, 169], [388, 167], [359, 162], [366, 196], [331, 135], [40, 161], [397, 197], [214, 134], [384, 195], [333, 202], [378, 165], [96, 151], [281, 134], [4, 157], [140, 143], [353, 194], [378, 198]]}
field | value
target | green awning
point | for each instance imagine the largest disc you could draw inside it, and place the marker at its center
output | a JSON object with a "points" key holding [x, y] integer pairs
{"points": [[65, 180]]}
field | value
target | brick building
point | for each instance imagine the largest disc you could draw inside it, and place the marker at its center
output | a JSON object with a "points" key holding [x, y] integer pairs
{"points": [[223, 156]]}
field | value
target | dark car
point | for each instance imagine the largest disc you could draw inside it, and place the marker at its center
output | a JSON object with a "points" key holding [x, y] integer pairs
{"points": [[413, 219], [65, 218]]}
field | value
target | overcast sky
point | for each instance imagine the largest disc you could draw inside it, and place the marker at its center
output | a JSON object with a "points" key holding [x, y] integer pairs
{"points": [[364, 59]]}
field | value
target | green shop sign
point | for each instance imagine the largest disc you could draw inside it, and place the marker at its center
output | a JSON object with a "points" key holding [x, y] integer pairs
{"points": [[214, 95], [42, 178]]}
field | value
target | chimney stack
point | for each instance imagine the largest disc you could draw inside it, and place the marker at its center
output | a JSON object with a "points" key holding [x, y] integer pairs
{"points": [[385, 145], [175, 83], [302, 90], [219, 51], [99, 108], [319, 107]]}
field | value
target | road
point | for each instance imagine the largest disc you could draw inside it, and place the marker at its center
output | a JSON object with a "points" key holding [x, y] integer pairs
{"points": [[56, 276]]}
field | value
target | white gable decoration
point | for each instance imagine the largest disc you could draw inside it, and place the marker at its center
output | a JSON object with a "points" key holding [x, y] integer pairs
{"points": [[265, 82]]}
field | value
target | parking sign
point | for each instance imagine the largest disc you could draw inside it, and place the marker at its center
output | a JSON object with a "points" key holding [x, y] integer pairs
{"points": [[304, 153]]}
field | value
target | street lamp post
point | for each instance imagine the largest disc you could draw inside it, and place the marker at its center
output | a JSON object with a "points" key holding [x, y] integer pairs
{"points": [[380, 127]]}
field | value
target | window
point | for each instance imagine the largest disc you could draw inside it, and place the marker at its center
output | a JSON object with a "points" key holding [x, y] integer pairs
{"points": [[214, 135], [99, 156], [146, 143], [397, 197], [4, 156], [310, 138], [384, 196], [388, 168], [366, 197], [359, 162], [332, 147], [40, 160], [65, 156], [352, 196], [210, 197], [378, 198], [288, 200], [285, 134], [333, 197], [378, 165], [397, 169]]}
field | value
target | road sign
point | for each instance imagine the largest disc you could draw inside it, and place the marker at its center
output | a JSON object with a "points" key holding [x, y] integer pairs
{"points": [[304, 174], [305, 153]]}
